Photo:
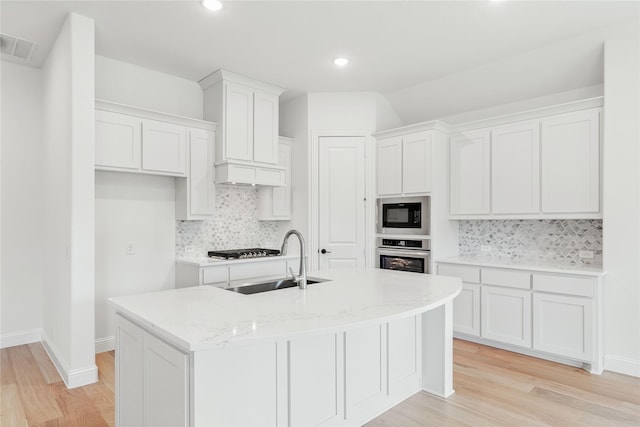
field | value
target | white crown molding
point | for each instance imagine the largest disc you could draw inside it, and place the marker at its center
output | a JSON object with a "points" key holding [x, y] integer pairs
{"points": [[220, 75], [537, 113], [144, 113], [436, 125]]}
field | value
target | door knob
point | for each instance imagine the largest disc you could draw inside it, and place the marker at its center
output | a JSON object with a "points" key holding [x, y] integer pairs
{"points": [[324, 251]]}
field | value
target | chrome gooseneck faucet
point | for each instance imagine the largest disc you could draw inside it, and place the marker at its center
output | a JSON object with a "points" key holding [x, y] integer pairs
{"points": [[301, 278]]}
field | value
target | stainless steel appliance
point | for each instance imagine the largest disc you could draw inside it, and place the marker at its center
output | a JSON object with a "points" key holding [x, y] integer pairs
{"points": [[243, 253], [406, 215], [404, 254]]}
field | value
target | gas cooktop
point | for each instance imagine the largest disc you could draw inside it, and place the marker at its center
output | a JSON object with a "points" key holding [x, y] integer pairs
{"points": [[243, 253]]}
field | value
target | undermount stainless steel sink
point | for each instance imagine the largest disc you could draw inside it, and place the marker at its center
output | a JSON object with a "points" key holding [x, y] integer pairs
{"points": [[271, 286]]}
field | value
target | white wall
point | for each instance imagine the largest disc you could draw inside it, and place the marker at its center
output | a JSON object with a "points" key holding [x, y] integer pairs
{"points": [[22, 205], [621, 202], [68, 153], [139, 210], [294, 123], [125, 83], [134, 208], [342, 111]]}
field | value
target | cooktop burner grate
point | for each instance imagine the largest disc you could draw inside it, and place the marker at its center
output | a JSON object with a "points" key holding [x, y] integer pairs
{"points": [[243, 253]]}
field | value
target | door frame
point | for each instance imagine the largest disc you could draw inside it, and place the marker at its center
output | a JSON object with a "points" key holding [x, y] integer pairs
{"points": [[314, 192]]}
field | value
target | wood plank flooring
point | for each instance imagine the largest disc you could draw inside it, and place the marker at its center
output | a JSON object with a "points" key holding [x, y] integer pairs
{"points": [[493, 388]]}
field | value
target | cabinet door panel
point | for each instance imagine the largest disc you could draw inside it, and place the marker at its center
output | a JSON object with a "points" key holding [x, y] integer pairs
{"points": [[117, 140], [563, 325], [466, 310], [166, 384], [506, 315], [402, 353], [129, 373], [416, 163], [515, 169], [469, 168], [163, 147], [201, 188], [265, 128], [313, 361], [281, 202], [238, 123], [570, 158], [363, 366], [390, 167]]}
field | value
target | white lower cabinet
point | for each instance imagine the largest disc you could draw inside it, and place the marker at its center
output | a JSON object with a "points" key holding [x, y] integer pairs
{"points": [[234, 273], [331, 378], [563, 325], [534, 312], [152, 379], [466, 310], [506, 315]]}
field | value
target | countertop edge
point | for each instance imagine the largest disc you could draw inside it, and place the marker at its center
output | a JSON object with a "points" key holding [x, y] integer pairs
{"points": [[211, 262], [587, 271]]}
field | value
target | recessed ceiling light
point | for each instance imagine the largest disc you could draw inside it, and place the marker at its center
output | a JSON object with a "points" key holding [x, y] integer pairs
{"points": [[214, 5], [341, 62]]}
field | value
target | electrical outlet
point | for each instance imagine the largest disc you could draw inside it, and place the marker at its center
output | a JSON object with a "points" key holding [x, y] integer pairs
{"points": [[485, 248], [586, 254], [131, 249], [189, 249]]}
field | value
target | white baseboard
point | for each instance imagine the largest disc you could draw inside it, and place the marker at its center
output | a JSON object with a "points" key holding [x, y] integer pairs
{"points": [[72, 378], [20, 338], [105, 344], [622, 365]]}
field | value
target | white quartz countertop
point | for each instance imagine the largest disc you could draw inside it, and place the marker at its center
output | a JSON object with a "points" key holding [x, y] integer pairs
{"points": [[543, 266], [203, 261], [204, 317]]}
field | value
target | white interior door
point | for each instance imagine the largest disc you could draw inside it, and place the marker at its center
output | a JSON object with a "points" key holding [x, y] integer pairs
{"points": [[341, 197]]}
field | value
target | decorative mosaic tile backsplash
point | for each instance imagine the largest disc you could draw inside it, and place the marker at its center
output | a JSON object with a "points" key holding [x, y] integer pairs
{"points": [[234, 225], [528, 240]]}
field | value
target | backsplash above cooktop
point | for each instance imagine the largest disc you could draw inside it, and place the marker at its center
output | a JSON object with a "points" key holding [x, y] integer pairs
{"points": [[543, 240], [233, 226]]}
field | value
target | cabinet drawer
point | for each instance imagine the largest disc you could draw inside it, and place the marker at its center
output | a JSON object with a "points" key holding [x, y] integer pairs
{"points": [[508, 278], [256, 269], [215, 274], [570, 285], [464, 272]]}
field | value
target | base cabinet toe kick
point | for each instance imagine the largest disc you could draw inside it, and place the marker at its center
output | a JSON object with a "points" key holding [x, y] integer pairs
{"points": [[342, 377]]}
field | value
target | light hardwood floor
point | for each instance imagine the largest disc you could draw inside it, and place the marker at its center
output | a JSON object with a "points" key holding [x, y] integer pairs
{"points": [[493, 388]]}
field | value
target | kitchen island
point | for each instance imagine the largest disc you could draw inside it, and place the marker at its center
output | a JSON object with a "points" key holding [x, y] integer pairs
{"points": [[338, 353]]}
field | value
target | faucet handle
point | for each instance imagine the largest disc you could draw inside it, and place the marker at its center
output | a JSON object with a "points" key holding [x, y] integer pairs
{"points": [[293, 275]]}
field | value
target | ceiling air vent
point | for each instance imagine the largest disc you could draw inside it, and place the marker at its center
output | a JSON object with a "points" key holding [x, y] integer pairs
{"points": [[16, 47]]}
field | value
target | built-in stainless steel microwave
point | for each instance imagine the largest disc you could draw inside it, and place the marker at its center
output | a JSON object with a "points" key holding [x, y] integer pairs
{"points": [[406, 215]]}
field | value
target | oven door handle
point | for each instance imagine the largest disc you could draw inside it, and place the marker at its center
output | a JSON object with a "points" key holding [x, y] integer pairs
{"points": [[401, 252]]}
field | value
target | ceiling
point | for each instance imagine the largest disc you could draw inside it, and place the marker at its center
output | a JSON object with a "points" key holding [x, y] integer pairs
{"points": [[429, 58]]}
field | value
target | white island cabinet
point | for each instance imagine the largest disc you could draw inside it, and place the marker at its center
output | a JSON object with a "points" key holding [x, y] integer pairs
{"points": [[339, 353]]}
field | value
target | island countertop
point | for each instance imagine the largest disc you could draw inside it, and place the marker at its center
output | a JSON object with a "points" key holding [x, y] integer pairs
{"points": [[205, 317]]}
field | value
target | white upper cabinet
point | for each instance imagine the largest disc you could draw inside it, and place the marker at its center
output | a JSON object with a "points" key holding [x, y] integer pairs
{"points": [[164, 147], [118, 139], [390, 166], [195, 194], [416, 163], [274, 203], [470, 175], [404, 164], [515, 169], [571, 162], [247, 143], [544, 166], [238, 124]]}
